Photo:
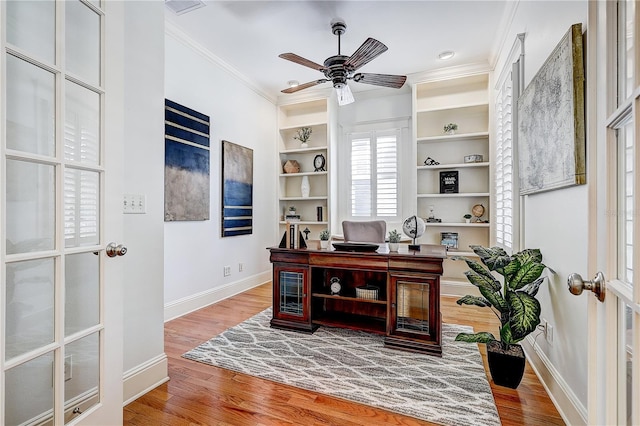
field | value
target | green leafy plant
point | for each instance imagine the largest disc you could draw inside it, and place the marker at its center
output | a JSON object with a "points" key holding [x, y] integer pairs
{"points": [[449, 127], [303, 134], [467, 216], [324, 235], [513, 301], [394, 236]]}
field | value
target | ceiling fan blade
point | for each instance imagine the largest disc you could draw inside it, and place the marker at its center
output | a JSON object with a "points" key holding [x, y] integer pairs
{"points": [[302, 61], [368, 51], [386, 80], [304, 86]]}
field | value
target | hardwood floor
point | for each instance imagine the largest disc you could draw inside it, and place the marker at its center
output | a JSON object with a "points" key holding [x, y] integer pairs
{"points": [[199, 394]]}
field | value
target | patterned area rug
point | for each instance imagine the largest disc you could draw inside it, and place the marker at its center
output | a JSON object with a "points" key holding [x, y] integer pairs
{"points": [[355, 365]]}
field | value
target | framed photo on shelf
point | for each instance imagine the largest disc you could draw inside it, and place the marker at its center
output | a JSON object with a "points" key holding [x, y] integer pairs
{"points": [[449, 182], [449, 239]]}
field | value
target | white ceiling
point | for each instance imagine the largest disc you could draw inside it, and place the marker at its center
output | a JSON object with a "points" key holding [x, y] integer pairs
{"points": [[249, 35]]}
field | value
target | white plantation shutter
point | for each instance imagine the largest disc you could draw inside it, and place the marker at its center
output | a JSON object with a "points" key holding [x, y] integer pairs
{"points": [[81, 203], [361, 181], [374, 174], [504, 165]]}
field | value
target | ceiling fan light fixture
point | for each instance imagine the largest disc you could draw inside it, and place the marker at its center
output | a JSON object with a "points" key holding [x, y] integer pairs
{"points": [[293, 83], [446, 55], [345, 97]]}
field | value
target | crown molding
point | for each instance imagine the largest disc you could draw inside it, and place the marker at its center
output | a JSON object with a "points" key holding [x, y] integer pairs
{"points": [[449, 72], [502, 41], [173, 31]]}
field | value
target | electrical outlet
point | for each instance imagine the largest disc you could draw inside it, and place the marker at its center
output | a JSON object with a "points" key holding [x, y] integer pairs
{"points": [[68, 367], [549, 333], [227, 271], [240, 267]]}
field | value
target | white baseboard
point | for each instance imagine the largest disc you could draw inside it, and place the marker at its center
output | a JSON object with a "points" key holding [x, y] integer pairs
{"points": [[457, 288], [197, 301], [141, 379], [567, 403]]}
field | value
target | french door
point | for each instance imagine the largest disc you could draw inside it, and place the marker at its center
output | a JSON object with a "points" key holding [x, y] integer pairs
{"points": [[60, 300], [614, 67]]}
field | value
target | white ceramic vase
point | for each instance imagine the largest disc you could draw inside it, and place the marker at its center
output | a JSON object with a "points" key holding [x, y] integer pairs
{"points": [[393, 246], [305, 187], [324, 244]]}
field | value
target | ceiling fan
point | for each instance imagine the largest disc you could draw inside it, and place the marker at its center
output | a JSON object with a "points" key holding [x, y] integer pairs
{"points": [[340, 68]]}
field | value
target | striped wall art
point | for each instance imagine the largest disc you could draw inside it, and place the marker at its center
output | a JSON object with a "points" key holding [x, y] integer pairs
{"points": [[237, 189], [186, 170]]}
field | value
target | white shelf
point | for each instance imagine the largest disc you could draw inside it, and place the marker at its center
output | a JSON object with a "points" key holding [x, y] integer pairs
{"points": [[451, 107], [305, 222], [302, 174], [310, 124], [454, 166], [304, 150], [324, 197], [458, 195], [456, 137], [458, 224], [464, 101]]}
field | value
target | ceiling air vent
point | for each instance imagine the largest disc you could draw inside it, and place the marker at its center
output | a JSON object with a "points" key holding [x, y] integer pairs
{"points": [[183, 6]]}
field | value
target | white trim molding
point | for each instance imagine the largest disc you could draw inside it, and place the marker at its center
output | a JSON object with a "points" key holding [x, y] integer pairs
{"points": [[572, 411], [176, 33], [145, 377], [197, 301]]}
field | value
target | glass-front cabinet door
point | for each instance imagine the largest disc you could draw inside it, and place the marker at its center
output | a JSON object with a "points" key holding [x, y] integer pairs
{"points": [[414, 312], [291, 297]]}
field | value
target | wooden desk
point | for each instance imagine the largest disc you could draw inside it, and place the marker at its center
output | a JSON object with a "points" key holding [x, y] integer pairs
{"points": [[406, 309]]}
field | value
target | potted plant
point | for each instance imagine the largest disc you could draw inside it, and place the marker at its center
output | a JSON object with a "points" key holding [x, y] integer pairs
{"points": [[324, 238], [450, 128], [467, 218], [303, 134], [513, 302], [394, 240]]}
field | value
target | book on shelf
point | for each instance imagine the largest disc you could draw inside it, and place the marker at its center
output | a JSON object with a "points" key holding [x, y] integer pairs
{"points": [[292, 237], [449, 182], [292, 218]]}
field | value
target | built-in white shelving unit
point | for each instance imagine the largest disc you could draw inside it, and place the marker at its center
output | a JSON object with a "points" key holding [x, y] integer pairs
{"points": [[464, 101], [291, 118]]}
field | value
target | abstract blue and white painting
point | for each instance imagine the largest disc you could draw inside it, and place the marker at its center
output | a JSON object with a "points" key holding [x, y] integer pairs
{"points": [[237, 189], [187, 164]]}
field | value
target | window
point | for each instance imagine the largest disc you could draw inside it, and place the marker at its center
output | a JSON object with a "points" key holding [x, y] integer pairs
{"points": [[504, 165], [506, 188], [373, 171]]}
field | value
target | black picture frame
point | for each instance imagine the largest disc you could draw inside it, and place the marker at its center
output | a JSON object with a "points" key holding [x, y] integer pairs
{"points": [[449, 182]]}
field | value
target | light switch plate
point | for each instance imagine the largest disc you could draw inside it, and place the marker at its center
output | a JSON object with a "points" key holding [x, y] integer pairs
{"points": [[134, 204]]}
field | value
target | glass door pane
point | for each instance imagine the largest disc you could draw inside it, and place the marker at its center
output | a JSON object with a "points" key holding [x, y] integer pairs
{"points": [[82, 36], [291, 293], [30, 108], [29, 397], [30, 207], [29, 312], [412, 306], [31, 26]]}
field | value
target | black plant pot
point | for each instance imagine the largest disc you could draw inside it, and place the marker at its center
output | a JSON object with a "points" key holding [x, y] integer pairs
{"points": [[506, 367]]}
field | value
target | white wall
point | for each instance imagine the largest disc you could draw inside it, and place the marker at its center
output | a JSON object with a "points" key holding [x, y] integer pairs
{"points": [[144, 174], [195, 254], [556, 221]]}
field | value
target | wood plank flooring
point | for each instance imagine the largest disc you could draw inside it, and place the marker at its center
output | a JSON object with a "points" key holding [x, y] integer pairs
{"points": [[199, 394]]}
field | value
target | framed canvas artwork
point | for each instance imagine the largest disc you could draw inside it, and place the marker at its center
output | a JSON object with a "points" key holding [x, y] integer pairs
{"points": [[237, 189], [186, 169], [551, 124]]}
